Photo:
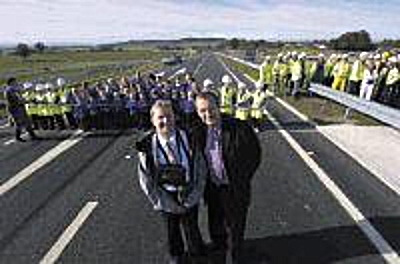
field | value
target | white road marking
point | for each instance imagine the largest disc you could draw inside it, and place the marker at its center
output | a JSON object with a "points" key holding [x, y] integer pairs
{"points": [[9, 142], [229, 70], [56, 250], [4, 126], [40, 162], [180, 71], [203, 60], [387, 252]]}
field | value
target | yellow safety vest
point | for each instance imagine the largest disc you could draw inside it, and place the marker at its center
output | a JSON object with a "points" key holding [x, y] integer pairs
{"points": [[242, 113], [227, 97], [393, 76], [357, 71], [258, 98]]}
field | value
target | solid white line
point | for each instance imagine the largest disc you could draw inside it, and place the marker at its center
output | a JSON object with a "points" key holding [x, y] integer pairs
{"points": [[40, 162], [229, 70], [69, 233], [387, 252]]}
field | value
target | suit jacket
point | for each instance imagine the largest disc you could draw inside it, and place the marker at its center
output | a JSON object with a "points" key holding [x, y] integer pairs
{"points": [[159, 198], [241, 153]]}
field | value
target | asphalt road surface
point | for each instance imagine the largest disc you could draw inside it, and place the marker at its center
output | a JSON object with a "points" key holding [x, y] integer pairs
{"points": [[75, 198]]}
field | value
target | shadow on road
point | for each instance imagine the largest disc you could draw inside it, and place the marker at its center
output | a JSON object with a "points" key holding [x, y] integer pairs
{"points": [[322, 246]]}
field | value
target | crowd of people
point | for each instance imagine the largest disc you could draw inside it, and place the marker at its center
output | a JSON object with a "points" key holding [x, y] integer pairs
{"points": [[372, 76], [125, 102]]}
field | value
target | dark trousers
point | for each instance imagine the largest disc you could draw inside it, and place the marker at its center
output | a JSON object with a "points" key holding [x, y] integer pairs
{"points": [[179, 225], [227, 217], [354, 88]]}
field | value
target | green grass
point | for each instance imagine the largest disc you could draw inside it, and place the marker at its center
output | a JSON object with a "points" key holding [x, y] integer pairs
{"points": [[320, 110], [69, 62]]}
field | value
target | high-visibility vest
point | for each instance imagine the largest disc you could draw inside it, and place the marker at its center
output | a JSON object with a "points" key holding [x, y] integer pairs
{"points": [[328, 68], [42, 105], [357, 71], [227, 99], [344, 69], [393, 76], [296, 70], [283, 70], [266, 73], [241, 112], [276, 68], [256, 110]]}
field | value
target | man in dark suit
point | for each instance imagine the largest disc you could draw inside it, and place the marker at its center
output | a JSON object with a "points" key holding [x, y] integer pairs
{"points": [[233, 153], [16, 108]]}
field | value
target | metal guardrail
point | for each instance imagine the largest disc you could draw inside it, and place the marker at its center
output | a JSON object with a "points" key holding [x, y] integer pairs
{"points": [[378, 111], [383, 113]]}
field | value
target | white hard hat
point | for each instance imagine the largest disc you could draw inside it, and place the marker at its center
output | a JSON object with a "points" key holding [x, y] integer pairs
{"points": [[259, 84], [364, 55], [207, 83], [226, 79], [321, 55], [280, 55], [60, 81], [241, 85], [345, 56], [39, 87], [27, 85], [267, 57], [48, 86], [377, 56], [393, 59], [333, 56], [302, 55]]}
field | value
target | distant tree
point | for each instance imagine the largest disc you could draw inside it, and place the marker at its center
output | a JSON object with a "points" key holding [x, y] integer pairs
{"points": [[234, 43], [23, 50], [40, 47], [353, 41]]}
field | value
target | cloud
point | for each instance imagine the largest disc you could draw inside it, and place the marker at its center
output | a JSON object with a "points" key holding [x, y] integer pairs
{"points": [[104, 20]]}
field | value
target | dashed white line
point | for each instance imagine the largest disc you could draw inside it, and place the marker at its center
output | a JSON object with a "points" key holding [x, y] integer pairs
{"points": [[40, 162], [9, 142], [56, 250], [203, 60]]}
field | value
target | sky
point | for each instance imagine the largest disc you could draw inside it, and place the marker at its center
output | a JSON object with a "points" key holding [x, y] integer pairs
{"points": [[107, 21]]}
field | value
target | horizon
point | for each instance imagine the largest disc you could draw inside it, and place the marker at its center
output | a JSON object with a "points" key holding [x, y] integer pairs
{"points": [[92, 22]]}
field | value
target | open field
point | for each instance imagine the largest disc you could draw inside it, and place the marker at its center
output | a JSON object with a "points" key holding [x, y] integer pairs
{"points": [[72, 64]]}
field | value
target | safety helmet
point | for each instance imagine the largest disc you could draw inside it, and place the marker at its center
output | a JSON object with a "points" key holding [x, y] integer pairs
{"points": [[259, 84], [207, 83], [226, 79], [241, 85], [60, 81], [27, 85], [393, 59], [363, 55]]}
